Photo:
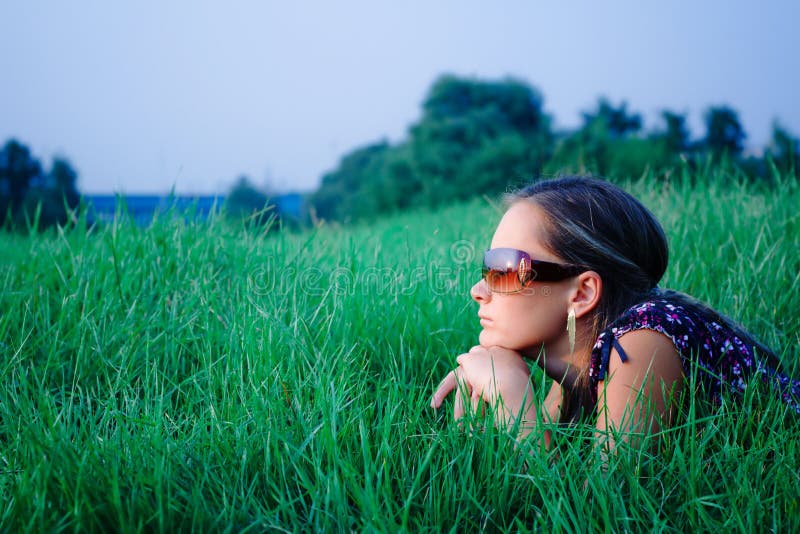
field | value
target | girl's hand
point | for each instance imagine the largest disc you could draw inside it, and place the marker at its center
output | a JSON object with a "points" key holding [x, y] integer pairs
{"points": [[495, 375]]}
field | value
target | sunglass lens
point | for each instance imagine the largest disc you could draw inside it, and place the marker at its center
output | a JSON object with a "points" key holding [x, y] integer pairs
{"points": [[501, 270]]}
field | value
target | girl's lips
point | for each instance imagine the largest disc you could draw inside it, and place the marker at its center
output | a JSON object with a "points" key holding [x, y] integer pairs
{"points": [[484, 320]]}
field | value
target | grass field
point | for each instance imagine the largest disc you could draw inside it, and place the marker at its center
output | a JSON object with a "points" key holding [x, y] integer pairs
{"points": [[199, 375]]}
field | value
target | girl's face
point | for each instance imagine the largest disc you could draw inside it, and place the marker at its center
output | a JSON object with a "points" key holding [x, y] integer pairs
{"points": [[526, 320]]}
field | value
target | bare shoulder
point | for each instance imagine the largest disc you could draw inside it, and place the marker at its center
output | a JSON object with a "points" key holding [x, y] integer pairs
{"points": [[645, 348], [652, 364], [652, 369], [647, 352]]}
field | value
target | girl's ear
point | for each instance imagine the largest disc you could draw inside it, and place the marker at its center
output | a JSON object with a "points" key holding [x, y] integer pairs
{"points": [[587, 291]]}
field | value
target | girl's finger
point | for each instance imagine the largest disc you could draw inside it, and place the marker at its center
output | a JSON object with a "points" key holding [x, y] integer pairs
{"points": [[445, 387], [458, 407], [462, 396], [476, 403]]}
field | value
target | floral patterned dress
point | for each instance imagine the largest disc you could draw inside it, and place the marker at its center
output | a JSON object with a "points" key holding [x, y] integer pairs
{"points": [[701, 337]]}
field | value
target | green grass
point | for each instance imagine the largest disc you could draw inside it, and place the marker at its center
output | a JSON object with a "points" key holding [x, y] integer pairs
{"points": [[206, 376]]}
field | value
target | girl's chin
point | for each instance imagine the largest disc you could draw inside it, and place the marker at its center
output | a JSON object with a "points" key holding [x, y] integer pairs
{"points": [[491, 339], [486, 339]]}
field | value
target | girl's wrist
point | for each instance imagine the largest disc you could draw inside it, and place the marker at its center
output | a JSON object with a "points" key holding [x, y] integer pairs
{"points": [[522, 412]]}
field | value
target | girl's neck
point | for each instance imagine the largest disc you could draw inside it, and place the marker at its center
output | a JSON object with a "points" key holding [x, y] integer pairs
{"points": [[562, 364]]}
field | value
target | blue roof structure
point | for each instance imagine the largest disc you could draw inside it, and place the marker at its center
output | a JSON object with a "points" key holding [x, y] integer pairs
{"points": [[142, 208]]}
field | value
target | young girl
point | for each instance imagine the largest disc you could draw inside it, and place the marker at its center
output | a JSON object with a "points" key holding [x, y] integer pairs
{"points": [[571, 281]]}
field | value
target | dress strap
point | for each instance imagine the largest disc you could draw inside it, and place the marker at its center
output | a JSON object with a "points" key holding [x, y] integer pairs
{"points": [[605, 353], [622, 355]]}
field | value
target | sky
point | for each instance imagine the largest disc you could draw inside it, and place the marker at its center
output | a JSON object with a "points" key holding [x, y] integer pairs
{"points": [[145, 96]]}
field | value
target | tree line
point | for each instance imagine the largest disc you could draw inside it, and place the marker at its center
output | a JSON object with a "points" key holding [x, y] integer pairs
{"points": [[32, 197], [482, 137], [474, 137]]}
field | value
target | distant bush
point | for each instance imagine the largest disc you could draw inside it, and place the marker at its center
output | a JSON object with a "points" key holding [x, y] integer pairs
{"points": [[245, 202], [29, 197], [473, 135], [479, 137]]}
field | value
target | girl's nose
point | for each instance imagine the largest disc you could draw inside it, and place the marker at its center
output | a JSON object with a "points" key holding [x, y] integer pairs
{"points": [[480, 291]]}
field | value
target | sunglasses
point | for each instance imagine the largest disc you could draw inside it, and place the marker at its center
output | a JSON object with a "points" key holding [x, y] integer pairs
{"points": [[508, 270]]}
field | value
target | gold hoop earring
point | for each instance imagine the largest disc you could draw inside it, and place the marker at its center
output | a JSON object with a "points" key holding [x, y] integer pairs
{"points": [[571, 330]]}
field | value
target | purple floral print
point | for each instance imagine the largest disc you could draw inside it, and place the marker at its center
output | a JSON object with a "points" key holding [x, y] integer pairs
{"points": [[723, 359]]}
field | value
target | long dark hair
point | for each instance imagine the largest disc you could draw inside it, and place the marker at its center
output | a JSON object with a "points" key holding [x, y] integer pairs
{"points": [[596, 224]]}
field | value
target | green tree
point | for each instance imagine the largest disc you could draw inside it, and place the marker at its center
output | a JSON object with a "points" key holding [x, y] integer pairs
{"points": [[604, 144], [464, 117], [353, 190], [398, 185], [616, 122], [676, 133], [63, 179], [519, 105], [783, 149], [52, 198], [244, 201], [18, 171], [509, 160], [724, 132], [474, 137]]}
